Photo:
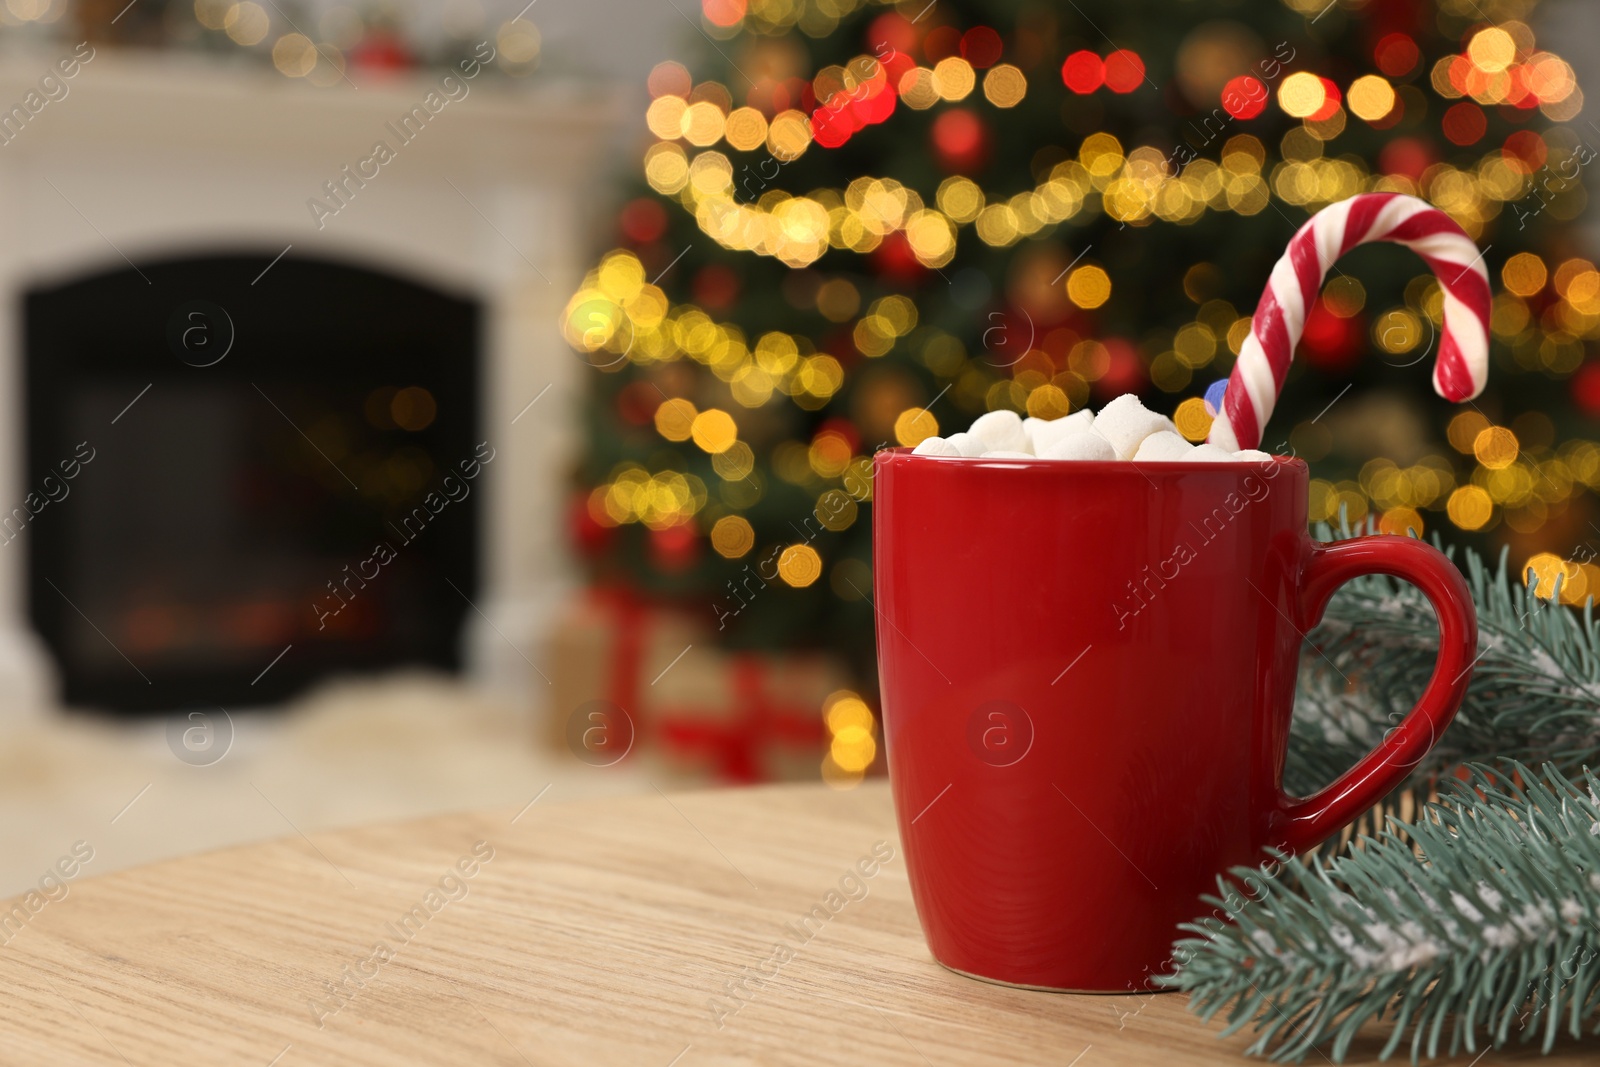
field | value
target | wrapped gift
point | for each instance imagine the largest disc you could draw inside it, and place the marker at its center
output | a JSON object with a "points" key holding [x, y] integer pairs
{"points": [[627, 672]]}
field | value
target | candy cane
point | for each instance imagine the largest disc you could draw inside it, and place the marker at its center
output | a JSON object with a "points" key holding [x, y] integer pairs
{"points": [[1462, 366]]}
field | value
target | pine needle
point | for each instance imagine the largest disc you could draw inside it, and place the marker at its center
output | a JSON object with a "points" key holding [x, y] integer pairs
{"points": [[1534, 694], [1473, 925]]}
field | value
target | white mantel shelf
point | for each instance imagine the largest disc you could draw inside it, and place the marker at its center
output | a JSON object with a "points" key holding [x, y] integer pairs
{"points": [[152, 155]]}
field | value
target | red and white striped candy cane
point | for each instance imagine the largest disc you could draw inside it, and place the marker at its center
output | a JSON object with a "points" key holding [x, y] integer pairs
{"points": [[1462, 366]]}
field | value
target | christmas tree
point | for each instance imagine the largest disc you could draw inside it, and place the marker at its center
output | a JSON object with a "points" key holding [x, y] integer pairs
{"points": [[862, 223]]}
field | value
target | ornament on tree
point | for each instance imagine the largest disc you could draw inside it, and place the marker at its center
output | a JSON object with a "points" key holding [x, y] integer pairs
{"points": [[1462, 366]]}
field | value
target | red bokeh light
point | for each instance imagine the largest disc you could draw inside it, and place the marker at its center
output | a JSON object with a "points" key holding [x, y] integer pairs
{"points": [[1124, 370], [941, 43], [832, 127], [960, 140], [891, 30], [1124, 71], [1244, 97], [642, 221], [1083, 72], [895, 65], [1396, 55], [637, 402], [1526, 149], [1464, 123], [1331, 342], [723, 12], [981, 46], [1519, 93], [674, 548], [1331, 100], [1586, 389], [715, 287], [875, 107], [1405, 156]]}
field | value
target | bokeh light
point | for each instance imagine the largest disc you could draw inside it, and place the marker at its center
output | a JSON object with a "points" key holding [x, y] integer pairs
{"points": [[1088, 287], [799, 566]]}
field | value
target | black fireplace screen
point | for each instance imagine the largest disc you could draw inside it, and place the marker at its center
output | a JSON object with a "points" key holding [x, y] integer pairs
{"points": [[240, 482]]}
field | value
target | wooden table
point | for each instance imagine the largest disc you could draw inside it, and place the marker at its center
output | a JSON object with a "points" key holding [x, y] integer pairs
{"points": [[638, 931]]}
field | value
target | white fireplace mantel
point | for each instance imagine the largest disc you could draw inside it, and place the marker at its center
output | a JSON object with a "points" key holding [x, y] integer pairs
{"points": [[153, 155]]}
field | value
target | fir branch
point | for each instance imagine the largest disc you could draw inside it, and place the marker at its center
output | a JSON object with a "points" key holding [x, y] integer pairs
{"points": [[1476, 923], [1534, 694]]}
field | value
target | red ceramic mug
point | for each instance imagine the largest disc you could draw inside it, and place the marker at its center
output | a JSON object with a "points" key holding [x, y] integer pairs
{"points": [[1087, 672]]}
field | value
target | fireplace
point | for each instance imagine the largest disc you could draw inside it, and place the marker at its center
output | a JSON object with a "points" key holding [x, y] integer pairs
{"points": [[195, 174], [242, 480]]}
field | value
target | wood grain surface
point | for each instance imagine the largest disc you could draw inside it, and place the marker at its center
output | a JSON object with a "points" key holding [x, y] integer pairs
{"points": [[669, 930]]}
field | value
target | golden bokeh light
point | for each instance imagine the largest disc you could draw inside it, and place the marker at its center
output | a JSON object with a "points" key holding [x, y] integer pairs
{"points": [[1397, 331], [1371, 97], [853, 749], [702, 124], [294, 55], [917, 89], [666, 168], [734, 464], [960, 198], [211, 13], [799, 566], [915, 425], [1524, 274], [732, 536], [674, 419], [1005, 86], [829, 455], [665, 117], [714, 430], [844, 710], [1049, 401], [1547, 573], [932, 238], [1464, 429], [1492, 50], [838, 300], [1402, 521], [953, 78], [1192, 419], [1088, 287], [788, 135], [518, 43], [246, 23], [1302, 95], [1496, 447], [746, 129]]}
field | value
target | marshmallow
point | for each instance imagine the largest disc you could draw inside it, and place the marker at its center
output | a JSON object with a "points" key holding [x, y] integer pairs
{"points": [[1210, 453], [1046, 432], [1162, 446], [1126, 423], [1081, 446], [934, 446], [1001, 431], [1252, 455], [965, 444], [1002, 454]]}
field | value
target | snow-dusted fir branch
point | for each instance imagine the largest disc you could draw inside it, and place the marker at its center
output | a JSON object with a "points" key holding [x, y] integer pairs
{"points": [[1534, 695], [1475, 924]]}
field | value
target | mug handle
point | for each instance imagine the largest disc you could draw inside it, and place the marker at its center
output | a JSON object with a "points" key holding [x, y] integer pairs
{"points": [[1304, 823]]}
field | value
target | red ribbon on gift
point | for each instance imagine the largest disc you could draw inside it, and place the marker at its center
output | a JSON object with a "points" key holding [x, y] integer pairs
{"points": [[736, 745]]}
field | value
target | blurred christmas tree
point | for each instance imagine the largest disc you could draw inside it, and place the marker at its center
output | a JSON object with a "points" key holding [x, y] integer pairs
{"points": [[868, 222]]}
